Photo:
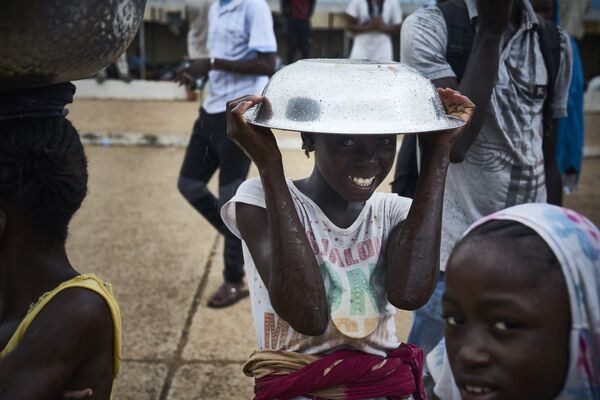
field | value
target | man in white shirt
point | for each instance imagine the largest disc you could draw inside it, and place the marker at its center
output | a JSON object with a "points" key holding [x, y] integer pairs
{"points": [[373, 23], [242, 47]]}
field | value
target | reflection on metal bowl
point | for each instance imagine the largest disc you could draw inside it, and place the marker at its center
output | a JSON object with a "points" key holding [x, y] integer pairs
{"points": [[51, 41], [351, 97]]}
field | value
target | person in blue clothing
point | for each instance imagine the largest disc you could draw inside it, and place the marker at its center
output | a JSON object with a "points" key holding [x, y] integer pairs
{"points": [[570, 130]]}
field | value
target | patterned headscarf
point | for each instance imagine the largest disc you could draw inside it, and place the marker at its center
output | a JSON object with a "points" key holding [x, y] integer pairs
{"points": [[575, 242]]}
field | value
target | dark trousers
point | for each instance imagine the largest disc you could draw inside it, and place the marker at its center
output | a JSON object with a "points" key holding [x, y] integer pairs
{"points": [[210, 149], [298, 39]]}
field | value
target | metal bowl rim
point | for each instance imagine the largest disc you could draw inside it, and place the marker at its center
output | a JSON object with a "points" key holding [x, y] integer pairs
{"points": [[459, 123]]}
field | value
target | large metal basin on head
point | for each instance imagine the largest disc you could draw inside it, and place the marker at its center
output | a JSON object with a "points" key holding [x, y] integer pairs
{"points": [[351, 97], [50, 41]]}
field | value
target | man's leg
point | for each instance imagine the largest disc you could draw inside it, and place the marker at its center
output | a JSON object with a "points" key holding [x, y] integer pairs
{"points": [[428, 326], [199, 164], [304, 39], [291, 46], [233, 169]]}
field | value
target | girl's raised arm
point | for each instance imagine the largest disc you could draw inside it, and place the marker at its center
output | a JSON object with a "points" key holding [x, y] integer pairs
{"points": [[413, 249], [275, 236]]}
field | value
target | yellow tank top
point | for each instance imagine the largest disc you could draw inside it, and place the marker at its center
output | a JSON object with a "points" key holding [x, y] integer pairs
{"points": [[87, 281]]}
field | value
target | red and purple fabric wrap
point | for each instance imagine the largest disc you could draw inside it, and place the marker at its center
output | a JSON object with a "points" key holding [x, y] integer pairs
{"points": [[359, 375]]}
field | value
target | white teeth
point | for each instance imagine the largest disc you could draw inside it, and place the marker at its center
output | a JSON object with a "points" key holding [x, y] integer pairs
{"points": [[364, 182], [477, 389]]}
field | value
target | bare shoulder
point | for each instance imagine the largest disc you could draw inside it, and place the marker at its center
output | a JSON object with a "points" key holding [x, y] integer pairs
{"points": [[70, 342], [79, 313], [250, 212], [83, 305], [251, 220]]}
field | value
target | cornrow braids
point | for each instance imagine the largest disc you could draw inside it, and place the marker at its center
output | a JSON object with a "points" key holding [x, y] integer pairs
{"points": [[43, 171], [308, 145]]}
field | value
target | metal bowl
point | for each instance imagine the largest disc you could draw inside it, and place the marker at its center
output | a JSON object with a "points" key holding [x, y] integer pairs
{"points": [[351, 97], [51, 41]]}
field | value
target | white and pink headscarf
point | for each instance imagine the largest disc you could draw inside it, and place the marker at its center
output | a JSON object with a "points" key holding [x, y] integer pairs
{"points": [[575, 242]]}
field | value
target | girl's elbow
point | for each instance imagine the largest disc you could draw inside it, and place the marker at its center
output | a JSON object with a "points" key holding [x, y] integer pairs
{"points": [[407, 301], [310, 320], [311, 328], [314, 324]]}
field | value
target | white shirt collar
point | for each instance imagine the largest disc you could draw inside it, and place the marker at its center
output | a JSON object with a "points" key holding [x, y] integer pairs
{"points": [[229, 6]]}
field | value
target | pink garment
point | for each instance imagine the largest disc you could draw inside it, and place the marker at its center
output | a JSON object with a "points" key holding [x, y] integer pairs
{"points": [[358, 375]]}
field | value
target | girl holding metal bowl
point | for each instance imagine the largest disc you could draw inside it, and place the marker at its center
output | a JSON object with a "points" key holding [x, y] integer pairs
{"points": [[328, 258]]}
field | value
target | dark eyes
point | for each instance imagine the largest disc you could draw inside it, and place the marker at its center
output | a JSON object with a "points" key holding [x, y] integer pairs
{"points": [[502, 326], [383, 141], [453, 320], [505, 326], [347, 142]]}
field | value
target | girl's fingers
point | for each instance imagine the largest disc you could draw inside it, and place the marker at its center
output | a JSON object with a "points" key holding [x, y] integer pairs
{"points": [[231, 105], [456, 104], [239, 110], [454, 96], [243, 106]]}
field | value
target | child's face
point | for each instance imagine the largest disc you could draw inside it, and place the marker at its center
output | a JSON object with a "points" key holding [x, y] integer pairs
{"points": [[507, 331], [354, 165]]}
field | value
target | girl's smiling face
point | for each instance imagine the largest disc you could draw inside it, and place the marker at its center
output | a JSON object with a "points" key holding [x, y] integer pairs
{"points": [[354, 165], [507, 320]]}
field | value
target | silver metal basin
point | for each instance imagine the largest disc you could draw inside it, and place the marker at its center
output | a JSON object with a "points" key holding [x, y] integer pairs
{"points": [[351, 97], [51, 41]]}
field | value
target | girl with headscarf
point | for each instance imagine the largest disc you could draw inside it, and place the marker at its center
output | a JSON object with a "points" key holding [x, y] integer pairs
{"points": [[522, 309]]}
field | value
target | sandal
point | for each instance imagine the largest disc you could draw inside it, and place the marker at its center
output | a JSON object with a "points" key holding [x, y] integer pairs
{"points": [[228, 294]]}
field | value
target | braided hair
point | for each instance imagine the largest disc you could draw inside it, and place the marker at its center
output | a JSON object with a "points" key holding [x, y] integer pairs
{"points": [[43, 171], [308, 144]]}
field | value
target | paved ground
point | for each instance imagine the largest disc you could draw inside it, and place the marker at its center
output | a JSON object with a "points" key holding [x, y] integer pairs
{"points": [[136, 231]]}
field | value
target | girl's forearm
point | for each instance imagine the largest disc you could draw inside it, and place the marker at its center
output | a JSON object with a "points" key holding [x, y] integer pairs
{"points": [[295, 285], [413, 252]]}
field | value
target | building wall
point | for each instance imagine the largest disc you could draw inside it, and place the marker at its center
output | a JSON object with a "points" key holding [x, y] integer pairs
{"points": [[166, 40]]}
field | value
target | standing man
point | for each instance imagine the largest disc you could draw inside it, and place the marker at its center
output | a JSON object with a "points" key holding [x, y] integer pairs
{"points": [[373, 23], [242, 47], [296, 16], [500, 55]]}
